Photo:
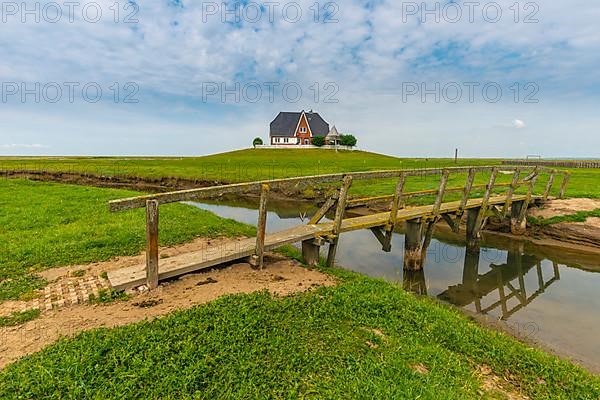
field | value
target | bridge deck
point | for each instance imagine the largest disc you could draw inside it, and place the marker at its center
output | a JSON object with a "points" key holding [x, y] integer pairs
{"points": [[214, 255]]}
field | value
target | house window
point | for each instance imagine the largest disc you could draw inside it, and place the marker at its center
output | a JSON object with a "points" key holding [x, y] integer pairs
{"points": [[302, 129], [285, 140]]}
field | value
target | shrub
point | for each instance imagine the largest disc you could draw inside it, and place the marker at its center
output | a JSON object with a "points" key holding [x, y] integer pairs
{"points": [[318, 141], [348, 140], [257, 142]]}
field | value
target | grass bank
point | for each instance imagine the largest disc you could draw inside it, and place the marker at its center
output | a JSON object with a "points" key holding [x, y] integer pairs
{"points": [[261, 164], [45, 225], [363, 338]]}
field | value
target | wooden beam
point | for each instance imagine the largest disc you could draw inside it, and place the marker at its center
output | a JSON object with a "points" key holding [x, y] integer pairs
{"points": [[152, 244], [396, 203], [339, 216], [466, 191], [485, 201], [511, 190], [254, 187], [454, 224], [381, 238], [531, 188], [262, 226], [549, 186], [440, 193], [328, 205]]}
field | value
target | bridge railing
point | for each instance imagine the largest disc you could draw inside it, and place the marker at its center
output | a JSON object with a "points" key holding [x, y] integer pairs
{"points": [[340, 200]]}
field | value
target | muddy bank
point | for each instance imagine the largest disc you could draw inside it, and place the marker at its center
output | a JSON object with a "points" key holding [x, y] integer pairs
{"points": [[144, 184], [155, 185]]}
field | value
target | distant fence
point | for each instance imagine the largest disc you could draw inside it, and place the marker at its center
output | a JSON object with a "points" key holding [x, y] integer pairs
{"points": [[556, 163]]}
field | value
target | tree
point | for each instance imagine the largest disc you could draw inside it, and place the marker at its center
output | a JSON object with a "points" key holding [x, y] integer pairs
{"points": [[318, 141], [257, 142], [348, 140]]}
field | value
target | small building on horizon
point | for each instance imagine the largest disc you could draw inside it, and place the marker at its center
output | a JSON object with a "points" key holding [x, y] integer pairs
{"points": [[297, 128]]}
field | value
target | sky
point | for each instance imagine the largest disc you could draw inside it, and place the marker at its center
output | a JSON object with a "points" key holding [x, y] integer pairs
{"points": [[412, 79]]}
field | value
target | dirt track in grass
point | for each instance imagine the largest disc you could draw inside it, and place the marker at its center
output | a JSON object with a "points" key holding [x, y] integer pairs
{"points": [[281, 276]]}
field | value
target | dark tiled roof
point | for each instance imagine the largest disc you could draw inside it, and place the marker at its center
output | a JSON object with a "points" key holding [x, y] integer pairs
{"points": [[286, 122]]}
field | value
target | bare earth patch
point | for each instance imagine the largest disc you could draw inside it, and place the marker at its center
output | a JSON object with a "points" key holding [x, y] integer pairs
{"points": [[495, 387], [577, 233], [280, 276], [565, 207]]}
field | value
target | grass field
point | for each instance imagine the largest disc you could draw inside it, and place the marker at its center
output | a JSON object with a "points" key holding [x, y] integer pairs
{"points": [[364, 338], [261, 164], [45, 225]]}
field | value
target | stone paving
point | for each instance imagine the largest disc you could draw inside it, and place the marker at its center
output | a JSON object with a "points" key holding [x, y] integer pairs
{"points": [[67, 292]]}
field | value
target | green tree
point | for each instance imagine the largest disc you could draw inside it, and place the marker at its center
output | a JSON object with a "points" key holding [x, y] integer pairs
{"points": [[257, 142], [318, 141], [348, 140]]}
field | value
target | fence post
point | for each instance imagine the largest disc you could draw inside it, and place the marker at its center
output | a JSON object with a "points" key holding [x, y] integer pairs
{"points": [[152, 244], [563, 186], [262, 227], [549, 186]]}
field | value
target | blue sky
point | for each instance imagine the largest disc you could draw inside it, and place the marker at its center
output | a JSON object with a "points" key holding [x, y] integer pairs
{"points": [[192, 78]]}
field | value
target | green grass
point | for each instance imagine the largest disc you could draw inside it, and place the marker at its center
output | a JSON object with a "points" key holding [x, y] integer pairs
{"points": [[106, 296], [580, 216], [45, 225], [19, 318], [260, 164], [360, 339]]}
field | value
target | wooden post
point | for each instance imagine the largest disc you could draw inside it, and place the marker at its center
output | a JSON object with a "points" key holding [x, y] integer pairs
{"points": [[427, 240], [310, 251], [466, 192], [473, 235], [152, 244], [563, 186], [339, 216], [396, 203], [511, 190], [412, 245], [549, 186], [441, 191], [262, 227], [523, 212], [484, 203], [517, 227]]}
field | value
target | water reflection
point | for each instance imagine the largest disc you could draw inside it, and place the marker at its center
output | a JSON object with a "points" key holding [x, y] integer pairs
{"points": [[508, 279], [511, 281]]}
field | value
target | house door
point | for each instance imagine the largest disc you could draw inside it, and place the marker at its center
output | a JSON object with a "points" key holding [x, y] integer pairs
{"points": [[306, 141]]}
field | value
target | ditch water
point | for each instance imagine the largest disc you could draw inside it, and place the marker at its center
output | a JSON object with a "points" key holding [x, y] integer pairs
{"points": [[548, 297]]}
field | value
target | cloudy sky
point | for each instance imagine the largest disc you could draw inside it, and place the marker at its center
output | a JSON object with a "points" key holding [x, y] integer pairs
{"points": [[179, 77]]}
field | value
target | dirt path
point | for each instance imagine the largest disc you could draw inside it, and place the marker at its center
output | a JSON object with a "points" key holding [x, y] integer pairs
{"points": [[281, 276]]}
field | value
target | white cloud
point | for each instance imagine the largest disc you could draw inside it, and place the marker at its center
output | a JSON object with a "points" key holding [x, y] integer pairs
{"points": [[518, 124]]}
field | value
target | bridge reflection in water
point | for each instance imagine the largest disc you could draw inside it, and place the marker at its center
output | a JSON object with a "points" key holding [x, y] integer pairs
{"points": [[507, 279]]}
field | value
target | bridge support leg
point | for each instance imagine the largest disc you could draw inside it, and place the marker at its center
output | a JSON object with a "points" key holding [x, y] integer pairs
{"points": [[412, 245], [473, 235], [152, 244], [518, 225], [310, 251], [414, 281]]}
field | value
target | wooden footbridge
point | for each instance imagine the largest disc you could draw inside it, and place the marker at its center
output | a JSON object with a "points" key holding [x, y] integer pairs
{"points": [[419, 221]]}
